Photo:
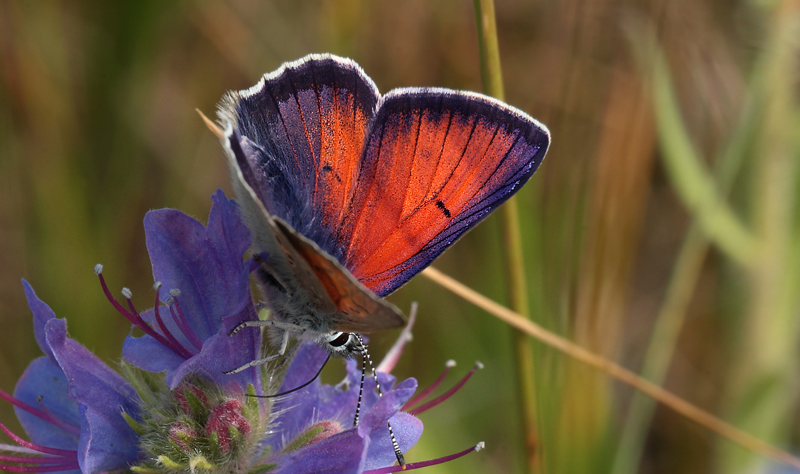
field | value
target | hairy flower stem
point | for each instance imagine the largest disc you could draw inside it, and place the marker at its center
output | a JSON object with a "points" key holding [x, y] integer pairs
{"points": [[492, 76]]}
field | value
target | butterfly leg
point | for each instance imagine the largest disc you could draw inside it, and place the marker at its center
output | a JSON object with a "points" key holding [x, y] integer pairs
{"points": [[253, 363], [266, 323]]}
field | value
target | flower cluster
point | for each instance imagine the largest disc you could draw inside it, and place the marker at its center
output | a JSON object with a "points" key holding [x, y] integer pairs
{"points": [[172, 407]]}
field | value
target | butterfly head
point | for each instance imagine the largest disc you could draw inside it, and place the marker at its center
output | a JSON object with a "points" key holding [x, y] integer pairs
{"points": [[342, 344]]}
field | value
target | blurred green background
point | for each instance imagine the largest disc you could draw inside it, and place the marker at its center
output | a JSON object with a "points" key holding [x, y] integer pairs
{"points": [[661, 230]]}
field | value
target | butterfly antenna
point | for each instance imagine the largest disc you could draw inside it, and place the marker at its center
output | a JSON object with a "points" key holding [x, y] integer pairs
{"points": [[367, 359], [361, 385], [296, 388]]}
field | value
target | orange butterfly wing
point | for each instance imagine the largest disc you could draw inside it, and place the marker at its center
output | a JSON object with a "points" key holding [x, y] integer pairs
{"points": [[380, 185], [435, 164]]}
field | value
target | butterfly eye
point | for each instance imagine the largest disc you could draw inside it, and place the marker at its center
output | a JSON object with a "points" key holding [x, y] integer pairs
{"points": [[339, 340]]}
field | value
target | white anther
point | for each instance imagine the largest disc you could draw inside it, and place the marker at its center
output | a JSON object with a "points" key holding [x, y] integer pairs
{"points": [[480, 446], [478, 364], [127, 293], [450, 364], [98, 269], [175, 292]]}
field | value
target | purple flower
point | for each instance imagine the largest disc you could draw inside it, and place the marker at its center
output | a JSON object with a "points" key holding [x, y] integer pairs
{"points": [[321, 417], [208, 284], [314, 433], [174, 409], [79, 424], [196, 416]]}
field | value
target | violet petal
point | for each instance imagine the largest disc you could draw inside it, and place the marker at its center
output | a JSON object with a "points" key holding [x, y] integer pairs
{"points": [[223, 352], [204, 263], [41, 314], [150, 355], [44, 378], [107, 442], [407, 430], [307, 360], [378, 414], [342, 453]]}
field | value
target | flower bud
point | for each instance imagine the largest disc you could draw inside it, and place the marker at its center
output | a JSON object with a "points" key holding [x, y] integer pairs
{"points": [[227, 424], [182, 435]]}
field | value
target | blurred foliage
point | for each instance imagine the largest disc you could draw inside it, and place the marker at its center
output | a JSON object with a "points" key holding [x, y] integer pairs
{"points": [[637, 258]]}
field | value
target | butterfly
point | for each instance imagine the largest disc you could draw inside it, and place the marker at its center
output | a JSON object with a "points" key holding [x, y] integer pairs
{"points": [[350, 193]]}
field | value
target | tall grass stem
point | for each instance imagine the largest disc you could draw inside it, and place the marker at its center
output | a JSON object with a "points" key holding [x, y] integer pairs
{"points": [[492, 76]]}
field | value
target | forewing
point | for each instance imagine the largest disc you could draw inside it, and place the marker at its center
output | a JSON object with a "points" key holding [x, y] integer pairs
{"points": [[436, 163], [285, 264], [301, 130], [358, 309]]}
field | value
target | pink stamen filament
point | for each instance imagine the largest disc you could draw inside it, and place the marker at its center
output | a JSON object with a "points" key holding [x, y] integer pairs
{"points": [[174, 344], [183, 324], [421, 396], [45, 415], [137, 320], [34, 460], [24, 406], [421, 464], [52, 418], [427, 406], [54, 468], [60, 459], [42, 449], [132, 308]]}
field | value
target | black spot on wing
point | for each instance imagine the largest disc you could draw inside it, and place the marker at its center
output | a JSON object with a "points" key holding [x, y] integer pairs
{"points": [[444, 209], [327, 169]]}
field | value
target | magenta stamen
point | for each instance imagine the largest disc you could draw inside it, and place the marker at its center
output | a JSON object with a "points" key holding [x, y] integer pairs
{"points": [[176, 346], [36, 447], [421, 396], [134, 318], [184, 325], [22, 405], [115, 303], [421, 464], [45, 414], [133, 309], [52, 418], [427, 406], [33, 459], [53, 468]]}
